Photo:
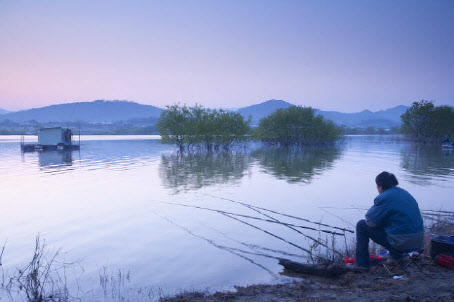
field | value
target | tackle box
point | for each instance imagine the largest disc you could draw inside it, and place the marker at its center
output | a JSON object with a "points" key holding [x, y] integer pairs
{"points": [[442, 245]]}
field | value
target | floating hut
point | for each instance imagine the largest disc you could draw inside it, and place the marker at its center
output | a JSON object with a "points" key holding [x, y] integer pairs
{"points": [[56, 138]]}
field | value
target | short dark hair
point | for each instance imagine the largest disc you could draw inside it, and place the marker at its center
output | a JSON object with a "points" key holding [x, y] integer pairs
{"points": [[386, 180]]}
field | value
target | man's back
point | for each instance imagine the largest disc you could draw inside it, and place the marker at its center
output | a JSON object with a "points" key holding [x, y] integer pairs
{"points": [[397, 212]]}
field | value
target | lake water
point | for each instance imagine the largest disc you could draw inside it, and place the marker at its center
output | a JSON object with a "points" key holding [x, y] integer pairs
{"points": [[111, 205]]}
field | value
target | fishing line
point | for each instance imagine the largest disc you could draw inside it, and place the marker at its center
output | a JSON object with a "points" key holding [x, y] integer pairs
{"points": [[278, 213], [249, 224], [228, 249], [273, 221], [299, 232], [253, 246], [256, 218], [269, 233]]}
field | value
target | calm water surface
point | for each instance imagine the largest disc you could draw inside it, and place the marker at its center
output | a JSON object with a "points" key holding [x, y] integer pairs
{"points": [[108, 205]]}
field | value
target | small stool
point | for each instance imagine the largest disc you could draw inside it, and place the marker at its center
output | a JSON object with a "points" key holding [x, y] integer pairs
{"points": [[412, 255]]}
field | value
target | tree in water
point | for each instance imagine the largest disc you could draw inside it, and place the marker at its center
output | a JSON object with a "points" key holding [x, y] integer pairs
{"points": [[427, 123], [175, 126], [202, 127], [297, 125]]}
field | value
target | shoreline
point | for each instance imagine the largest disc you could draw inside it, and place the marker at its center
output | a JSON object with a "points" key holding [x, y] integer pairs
{"points": [[433, 284]]}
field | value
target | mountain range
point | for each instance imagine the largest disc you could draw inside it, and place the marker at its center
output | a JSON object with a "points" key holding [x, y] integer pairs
{"points": [[365, 118], [380, 119], [3, 111], [101, 111]]}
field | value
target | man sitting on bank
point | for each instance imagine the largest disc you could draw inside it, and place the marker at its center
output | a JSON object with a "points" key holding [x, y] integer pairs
{"points": [[394, 222]]}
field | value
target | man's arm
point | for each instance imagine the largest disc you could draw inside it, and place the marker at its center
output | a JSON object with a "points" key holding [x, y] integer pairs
{"points": [[377, 214]]}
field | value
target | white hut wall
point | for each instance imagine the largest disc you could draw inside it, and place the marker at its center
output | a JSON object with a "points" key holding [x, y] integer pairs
{"points": [[50, 137]]}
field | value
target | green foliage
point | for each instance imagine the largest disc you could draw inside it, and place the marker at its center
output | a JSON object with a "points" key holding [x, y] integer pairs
{"points": [[296, 125], [443, 121], [212, 128], [425, 122], [126, 130], [370, 130], [174, 125], [9, 132]]}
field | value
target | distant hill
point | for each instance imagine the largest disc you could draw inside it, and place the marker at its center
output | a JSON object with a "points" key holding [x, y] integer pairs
{"points": [[131, 113], [259, 111], [3, 111], [383, 118], [380, 119], [96, 112]]}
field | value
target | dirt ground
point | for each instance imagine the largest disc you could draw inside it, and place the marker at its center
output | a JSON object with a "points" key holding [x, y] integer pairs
{"points": [[435, 283]]}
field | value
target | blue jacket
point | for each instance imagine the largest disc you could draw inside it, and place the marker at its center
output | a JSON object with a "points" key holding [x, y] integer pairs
{"points": [[397, 212]]}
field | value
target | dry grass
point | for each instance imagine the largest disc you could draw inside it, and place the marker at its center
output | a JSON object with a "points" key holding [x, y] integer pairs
{"points": [[441, 224], [42, 279]]}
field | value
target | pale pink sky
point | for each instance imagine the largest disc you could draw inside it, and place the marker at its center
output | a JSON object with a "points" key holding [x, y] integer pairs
{"points": [[345, 56]]}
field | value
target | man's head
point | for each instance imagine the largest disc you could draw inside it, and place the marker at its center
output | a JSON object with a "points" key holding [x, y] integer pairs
{"points": [[385, 180]]}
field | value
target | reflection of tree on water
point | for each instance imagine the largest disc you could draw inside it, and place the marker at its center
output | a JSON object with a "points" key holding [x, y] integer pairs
{"points": [[296, 164], [194, 170], [426, 162]]}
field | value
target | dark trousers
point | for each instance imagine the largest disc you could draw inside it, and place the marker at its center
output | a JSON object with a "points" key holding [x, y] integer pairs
{"points": [[378, 235]]}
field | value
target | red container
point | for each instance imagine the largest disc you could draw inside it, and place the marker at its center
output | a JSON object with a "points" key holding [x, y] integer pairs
{"points": [[441, 245], [353, 259], [349, 259], [379, 258], [445, 260]]}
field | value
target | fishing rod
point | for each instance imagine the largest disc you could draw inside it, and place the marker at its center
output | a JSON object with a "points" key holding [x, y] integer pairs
{"points": [[422, 210], [251, 253], [256, 218], [307, 236], [435, 220], [345, 238], [337, 216], [230, 215], [343, 208], [254, 246], [426, 212], [269, 233], [228, 249], [244, 222], [437, 214], [429, 217], [439, 211], [282, 214], [293, 229]]}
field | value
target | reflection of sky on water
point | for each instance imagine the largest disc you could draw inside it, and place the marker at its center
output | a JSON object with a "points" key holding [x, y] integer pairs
{"points": [[103, 204]]}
